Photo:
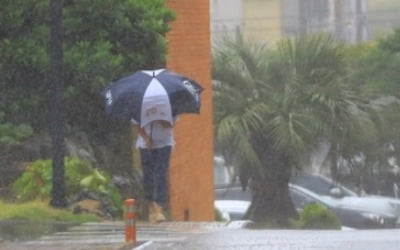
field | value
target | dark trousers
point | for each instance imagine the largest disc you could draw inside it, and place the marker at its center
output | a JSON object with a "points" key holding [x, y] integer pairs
{"points": [[155, 163]]}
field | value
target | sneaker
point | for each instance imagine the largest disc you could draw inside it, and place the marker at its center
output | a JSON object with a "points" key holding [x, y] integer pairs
{"points": [[159, 213], [152, 213]]}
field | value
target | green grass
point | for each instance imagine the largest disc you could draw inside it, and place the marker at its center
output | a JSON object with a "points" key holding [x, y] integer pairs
{"points": [[41, 211]]}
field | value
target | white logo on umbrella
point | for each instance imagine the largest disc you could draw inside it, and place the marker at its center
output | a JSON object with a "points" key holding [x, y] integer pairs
{"points": [[190, 87], [109, 97]]}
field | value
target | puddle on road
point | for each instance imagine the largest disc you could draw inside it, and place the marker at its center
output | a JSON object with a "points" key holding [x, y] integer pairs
{"points": [[12, 230]]}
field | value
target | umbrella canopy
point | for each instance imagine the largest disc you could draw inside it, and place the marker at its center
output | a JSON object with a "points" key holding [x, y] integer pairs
{"points": [[149, 95]]}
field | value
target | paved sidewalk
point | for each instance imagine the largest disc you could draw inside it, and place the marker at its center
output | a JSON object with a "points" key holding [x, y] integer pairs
{"points": [[111, 236]]}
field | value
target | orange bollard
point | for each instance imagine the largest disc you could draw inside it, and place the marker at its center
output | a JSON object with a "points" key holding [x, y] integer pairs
{"points": [[130, 221]]}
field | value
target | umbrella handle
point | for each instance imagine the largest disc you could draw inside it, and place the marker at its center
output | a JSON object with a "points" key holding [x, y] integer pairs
{"points": [[151, 130], [151, 136]]}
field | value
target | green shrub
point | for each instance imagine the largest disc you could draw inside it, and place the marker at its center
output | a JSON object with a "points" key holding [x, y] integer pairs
{"points": [[316, 216], [100, 182], [36, 182]]}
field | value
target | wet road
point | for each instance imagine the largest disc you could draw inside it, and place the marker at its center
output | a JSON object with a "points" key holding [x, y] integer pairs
{"points": [[244, 239]]}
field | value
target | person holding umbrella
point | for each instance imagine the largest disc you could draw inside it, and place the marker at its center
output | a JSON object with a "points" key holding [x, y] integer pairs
{"points": [[153, 99], [155, 143]]}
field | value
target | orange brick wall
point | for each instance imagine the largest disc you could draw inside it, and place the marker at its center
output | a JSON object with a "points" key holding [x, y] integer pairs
{"points": [[191, 169]]}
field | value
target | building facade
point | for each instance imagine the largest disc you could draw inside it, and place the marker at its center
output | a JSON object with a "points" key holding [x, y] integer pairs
{"points": [[344, 19], [226, 18], [383, 17], [262, 21], [267, 21]]}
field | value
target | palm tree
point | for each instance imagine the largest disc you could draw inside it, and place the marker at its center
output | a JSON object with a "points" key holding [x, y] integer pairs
{"points": [[272, 108]]}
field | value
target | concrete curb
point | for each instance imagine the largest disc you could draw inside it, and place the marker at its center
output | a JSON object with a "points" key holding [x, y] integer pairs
{"points": [[238, 224], [140, 245], [127, 247], [143, 246]]}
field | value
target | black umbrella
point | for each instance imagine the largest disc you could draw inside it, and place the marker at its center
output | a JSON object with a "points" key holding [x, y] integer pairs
{"points": [[149, 95]]}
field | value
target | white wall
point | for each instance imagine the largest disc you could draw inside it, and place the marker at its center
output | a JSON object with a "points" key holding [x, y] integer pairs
{"points": [[226, 17]]}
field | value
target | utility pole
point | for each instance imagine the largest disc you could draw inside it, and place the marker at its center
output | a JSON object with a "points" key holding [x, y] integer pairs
{"points": [[57, 121], [303, 17], [361, 21], [339, 19]]}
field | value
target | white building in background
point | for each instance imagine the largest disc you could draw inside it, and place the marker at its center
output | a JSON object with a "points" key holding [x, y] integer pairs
{"points": [[383, 17], [271, 20], [345, 19], [351, 25], [226, 18]]}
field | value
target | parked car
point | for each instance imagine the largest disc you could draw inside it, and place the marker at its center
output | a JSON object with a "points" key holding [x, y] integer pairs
{"points": [[350, 211], [326, 187]]}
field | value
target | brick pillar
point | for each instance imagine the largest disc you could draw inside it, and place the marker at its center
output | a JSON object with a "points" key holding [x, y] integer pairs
{"points": [[191, 170]]}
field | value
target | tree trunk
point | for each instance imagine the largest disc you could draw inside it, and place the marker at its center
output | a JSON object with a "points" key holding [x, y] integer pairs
{"points": [[57, 120], [271, 202]]}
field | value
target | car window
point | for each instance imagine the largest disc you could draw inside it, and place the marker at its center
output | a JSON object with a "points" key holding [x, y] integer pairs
{"points": [[301, 200], [320, 185]]}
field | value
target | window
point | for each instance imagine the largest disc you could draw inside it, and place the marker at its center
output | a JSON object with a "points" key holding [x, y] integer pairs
{"points": [[301, 200]]}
